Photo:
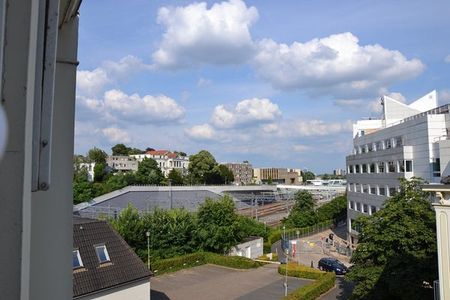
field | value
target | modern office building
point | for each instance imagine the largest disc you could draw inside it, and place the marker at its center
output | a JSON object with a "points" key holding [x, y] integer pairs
{"points": [[277, 175], [408, 141], [242, 172]]}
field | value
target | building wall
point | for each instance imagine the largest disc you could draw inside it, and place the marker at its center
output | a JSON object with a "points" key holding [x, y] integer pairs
{"points": [[122, 163], [242, 172], [251, 249], [421, 141], [136, 291], [277, 175]]}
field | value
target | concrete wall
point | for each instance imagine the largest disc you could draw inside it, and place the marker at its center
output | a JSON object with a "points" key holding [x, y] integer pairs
{"points": [[136, 291], [251, 249]]}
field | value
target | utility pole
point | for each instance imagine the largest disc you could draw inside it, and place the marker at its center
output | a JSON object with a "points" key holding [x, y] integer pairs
{"points": [[148, 249]]}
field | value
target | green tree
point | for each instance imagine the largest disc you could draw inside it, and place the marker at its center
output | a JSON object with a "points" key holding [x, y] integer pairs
{"points": [[99, 172], [335, 209], [307, 175], [250, 227], [148, 172], [396, 257], [203, 168], [175, 177], [131, 227], [225, 174], [303, 201], [82, 191], [97, 155], [217, 226], [120, 149], [302, 213]]}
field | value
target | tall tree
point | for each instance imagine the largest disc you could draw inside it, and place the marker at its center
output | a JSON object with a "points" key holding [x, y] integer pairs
{"points": [[120, 149], [97, 155], [307, 175], [148, 172], [218, 227], [396, 257], [303, 200], [226, 174], [202, 168], [302, 213], [175, 177]]}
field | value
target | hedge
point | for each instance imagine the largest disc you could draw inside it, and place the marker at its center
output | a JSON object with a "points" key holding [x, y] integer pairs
{"points": [[323, 282], [200, 258]]}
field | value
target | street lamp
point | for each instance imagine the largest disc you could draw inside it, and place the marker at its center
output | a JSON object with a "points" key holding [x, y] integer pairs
{"points": [[148, 249]]}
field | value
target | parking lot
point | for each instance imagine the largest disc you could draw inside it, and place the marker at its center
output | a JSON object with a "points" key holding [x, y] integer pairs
{"points": [[209, 282]]}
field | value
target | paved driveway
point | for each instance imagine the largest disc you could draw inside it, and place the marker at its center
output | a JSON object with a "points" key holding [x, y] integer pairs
{"points": [[210, 282]]}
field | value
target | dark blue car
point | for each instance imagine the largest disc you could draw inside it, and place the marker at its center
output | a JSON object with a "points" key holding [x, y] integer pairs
{"points": [[332, 265]]}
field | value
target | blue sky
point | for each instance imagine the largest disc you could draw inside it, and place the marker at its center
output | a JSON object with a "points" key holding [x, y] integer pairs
{"points": [[278, 83]]}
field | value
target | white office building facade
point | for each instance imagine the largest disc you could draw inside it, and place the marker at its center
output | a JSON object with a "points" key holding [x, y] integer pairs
{"points": [[409, 141]]}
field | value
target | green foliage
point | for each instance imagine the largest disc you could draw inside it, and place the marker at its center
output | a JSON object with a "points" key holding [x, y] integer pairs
{"points": [[203, 168], [97, 155], [396, 255], [323, 282], [131, 227], [99, 172], [200, 258], [302, 213], [251, 227], [175, 177], [121, 149], [304, 201], [82, 191], [149, 172], [225, 174], [308, 175], [333, 210], [218, 228]]}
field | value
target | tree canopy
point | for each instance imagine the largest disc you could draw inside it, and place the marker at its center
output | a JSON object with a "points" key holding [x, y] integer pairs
{"points": [[97, 155], [121, 149], [307, 175], [396, 256], [149, 172]]}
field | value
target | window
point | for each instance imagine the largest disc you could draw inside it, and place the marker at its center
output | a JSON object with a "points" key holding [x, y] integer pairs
{"points": [[76, 259], [365, 188], [398, 141], [352, 205], [350, 169], [373, 190], [391, 167], [370, 147], [365, 208], [408, 165], [374, 209], [372, 168], [102, 253], [381, 167], [358, 206], [382, 191], [437, 168], [357, 169], [357, 188], [388, 144], [379, 146], [364, 168], [401, 166], [392, 191], [363, 149]]}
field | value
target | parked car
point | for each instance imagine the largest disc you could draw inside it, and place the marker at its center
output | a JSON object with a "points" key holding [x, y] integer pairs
{"points": [[332, 265]]}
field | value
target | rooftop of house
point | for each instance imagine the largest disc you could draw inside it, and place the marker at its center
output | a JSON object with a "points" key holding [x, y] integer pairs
{"points": [[102, 259]]}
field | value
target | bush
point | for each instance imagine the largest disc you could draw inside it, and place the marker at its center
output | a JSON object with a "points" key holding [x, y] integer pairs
{"points": [[323, 283], [200, 258]]}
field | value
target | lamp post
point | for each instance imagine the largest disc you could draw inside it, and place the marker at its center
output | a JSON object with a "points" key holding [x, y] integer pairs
{"points": [[148, 249], [170, 192], [286, 252]]}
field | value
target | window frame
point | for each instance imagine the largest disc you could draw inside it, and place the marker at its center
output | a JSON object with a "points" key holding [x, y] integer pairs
{"points": [[80, 261], [105, 251]]}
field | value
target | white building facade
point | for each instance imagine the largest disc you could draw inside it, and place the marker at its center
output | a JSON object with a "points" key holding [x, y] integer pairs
{"points": [[409, 141], [167, 161]]}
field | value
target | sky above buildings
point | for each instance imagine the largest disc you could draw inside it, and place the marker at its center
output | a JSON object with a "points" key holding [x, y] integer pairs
{"points": [[278, 83]]}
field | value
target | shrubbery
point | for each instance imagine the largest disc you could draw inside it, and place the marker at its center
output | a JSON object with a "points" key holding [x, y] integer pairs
{"points": [[323, 281], [200, 258]]}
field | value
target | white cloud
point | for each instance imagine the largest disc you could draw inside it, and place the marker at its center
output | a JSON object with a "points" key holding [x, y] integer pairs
{"points": [[301, 148], [335, 65], [349, 103], [444, 96], [447, 59], [196, 35], [118, 106], [320, 128], [202, 82], [116, 135], [202, 132], [376, 107], [92, 83], [246, 112]]}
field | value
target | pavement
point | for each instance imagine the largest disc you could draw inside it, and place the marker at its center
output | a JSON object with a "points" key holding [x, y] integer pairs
{"points": [[209, 282]]}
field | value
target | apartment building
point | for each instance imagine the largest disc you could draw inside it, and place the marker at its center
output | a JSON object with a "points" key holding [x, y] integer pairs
{"points": [[277, 175], [408, 141], [242, 172], [167, 161], [122, 163]]}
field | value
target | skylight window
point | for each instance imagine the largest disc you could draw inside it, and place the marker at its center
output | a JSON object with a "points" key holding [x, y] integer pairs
{"points": [[102, 253], [76, 259]]}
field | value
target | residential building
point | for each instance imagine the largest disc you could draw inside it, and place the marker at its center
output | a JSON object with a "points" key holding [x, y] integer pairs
{"points": [[167, 161], [251, 247], [242, 172], [277, 175], [408, 141], [122, 163], [89, 167], [104, 266]]}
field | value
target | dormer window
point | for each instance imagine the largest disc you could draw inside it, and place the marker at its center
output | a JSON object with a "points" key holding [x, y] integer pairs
{"points": [[102, 253], [76, 259]]}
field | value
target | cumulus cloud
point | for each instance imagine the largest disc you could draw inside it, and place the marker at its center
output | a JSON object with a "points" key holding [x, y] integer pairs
{"points": [[91, 83], [202, 132], [196, 34], [349, 103], [320, 128], [447, 59], [376, 107], [246, 112], [336, 65], [202, 82], [301, 148], [118, 106], [116, 135]]}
